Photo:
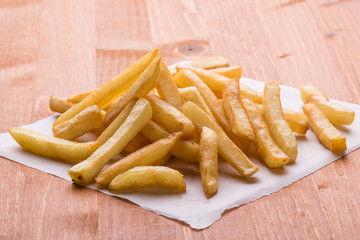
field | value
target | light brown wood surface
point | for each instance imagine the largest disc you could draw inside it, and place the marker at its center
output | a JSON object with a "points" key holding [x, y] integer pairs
{"points": [[52, 47]]}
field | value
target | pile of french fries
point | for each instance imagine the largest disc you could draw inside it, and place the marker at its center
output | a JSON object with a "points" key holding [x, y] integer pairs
{"points": [[194, 113]]}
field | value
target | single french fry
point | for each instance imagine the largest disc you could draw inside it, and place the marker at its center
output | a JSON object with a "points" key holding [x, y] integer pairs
{"points": [[336, 113], [251, 94], [74, 99], [184, 149], [167, 89], [83, 122], [229, 72], [111, 90], [48, 146], [279, 129], [170, 117], [192, 94], [156, 179], [209, 161], [58, 104], [208, 63], [327, 134], [138, 142], [234, 111], [213, 80], [227, 149], [150, 155], [140, 88], [85, 172], [272, 155]]}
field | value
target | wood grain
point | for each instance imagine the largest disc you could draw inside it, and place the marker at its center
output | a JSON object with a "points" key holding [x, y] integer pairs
{"points": [[50, 47]]}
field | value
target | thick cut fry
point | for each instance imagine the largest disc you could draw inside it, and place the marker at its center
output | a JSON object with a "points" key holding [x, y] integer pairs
{"points": [[85, 172], [186, 78], [170, 117], [214, 81], [57, 148], [150, 155], [336, 113], [78, 97], [83, 122], [208, 63], [272, 155], [167, 89], [209, 161], [235, 113], [186, 150], [154, 179], [111, 129], [227, 149], [251, 94], [140, 88], [192, 94], [112, 89], [229, 72], [298, 122], [59, 105], [279, 129], [138, 142], [327, 134]]}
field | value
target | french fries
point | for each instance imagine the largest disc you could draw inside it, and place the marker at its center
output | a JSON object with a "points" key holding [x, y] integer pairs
{"points": [[59, 105], [227, 149], [251, 94], [272, 155], [153, 154], [112, 89], [327, 134], [170, 117], [235, 113], [85, 172], [336, 113], [138, 142], [208, 63], [52, 147], [140, 88], [229, 72], [74, 99], [83, 122], [209, 161], [279, 129], [154, 179]]}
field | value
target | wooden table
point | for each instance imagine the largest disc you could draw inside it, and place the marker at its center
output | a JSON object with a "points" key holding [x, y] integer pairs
{"points": [[60, 48]]}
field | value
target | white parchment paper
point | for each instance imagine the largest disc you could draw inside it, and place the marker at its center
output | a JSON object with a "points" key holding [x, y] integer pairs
{"points": [[193, 207]]}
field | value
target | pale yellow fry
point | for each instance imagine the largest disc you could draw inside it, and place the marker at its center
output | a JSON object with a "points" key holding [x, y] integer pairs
{"points": [[78, 97], [209, 161], [214, 81], [186, 78], [58, 104], [298, 122], [272, 155], [184, 149], [138, 142], [229, 72], [208, 63], [336, 113], [52, 147], [111, 129], [170, 117], [327, 134], [234, 111], [227, 149], [112, 89], [85, 172], [167, 89], [192, 94], [279, 129], [150, 155], [251, 94], [83, 122], [140, 88], [156, 179]]}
